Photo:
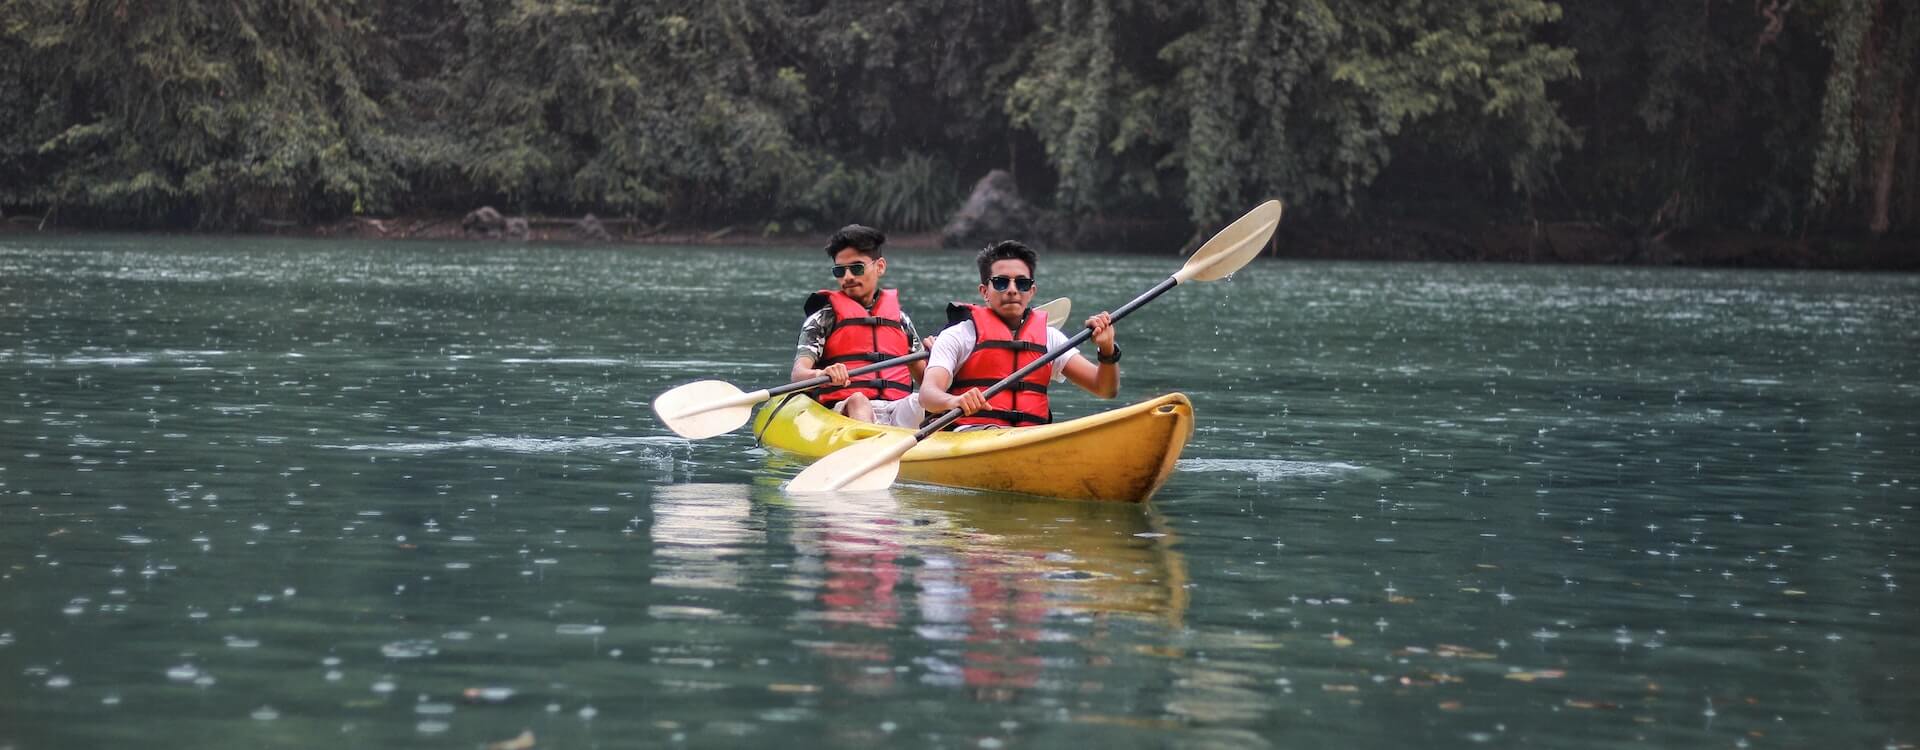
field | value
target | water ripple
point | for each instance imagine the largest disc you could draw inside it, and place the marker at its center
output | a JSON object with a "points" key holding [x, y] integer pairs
{"points": [[1270, 469], [518, 444]]}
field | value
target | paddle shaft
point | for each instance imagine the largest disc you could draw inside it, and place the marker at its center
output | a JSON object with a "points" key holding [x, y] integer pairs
{"points": [[801, 385], [1077, 339]]}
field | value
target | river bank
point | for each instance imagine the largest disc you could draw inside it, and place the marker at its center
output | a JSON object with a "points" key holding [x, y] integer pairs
{"points": [[1391, 240]]}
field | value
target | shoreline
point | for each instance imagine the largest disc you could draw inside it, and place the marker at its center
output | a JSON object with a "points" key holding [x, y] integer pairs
{"points": [[1545, 243]]}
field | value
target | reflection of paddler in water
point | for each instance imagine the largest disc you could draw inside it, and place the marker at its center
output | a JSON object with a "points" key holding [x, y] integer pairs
{"points": [[993, 569], [1087, 557], [858, 543], [1015, 562]]}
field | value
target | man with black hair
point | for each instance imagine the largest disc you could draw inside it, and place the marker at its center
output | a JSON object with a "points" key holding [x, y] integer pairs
{"points": [[858, 324], [987, 343]]}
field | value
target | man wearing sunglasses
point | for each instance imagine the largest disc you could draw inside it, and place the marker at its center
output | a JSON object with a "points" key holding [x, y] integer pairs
{"points": [[857, 324], [988, 342]]}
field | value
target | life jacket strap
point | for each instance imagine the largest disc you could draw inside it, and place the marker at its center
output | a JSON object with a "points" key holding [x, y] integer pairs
{"points": [[839, 323], [1014, 418], [864, 358], [1018, 385], [1015, 345]]}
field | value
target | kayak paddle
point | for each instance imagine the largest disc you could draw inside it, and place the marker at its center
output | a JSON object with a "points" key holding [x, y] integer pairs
{"points": [[874, 463], [705, 408]]}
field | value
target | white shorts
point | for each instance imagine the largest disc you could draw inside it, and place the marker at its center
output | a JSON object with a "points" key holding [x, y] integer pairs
{"points": [[905, 412]]}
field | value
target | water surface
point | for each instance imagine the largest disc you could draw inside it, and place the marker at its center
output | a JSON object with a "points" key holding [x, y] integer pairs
{"points": [[328, 494]]}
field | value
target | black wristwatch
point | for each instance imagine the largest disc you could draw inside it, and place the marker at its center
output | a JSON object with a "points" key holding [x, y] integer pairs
{"points": [[1104, 359]]}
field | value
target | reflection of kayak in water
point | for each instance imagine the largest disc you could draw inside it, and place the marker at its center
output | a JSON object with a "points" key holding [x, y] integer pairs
{"points": [[1074, 557], [1121, 455], [1088, 558], [989, 581]]}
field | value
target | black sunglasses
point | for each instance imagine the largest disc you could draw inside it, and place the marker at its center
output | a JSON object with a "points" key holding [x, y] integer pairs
{"points": [[1022, 283], [858, 269]]}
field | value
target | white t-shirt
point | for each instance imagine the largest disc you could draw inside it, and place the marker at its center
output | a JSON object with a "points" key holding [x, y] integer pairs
{"points": [[954, 345]]}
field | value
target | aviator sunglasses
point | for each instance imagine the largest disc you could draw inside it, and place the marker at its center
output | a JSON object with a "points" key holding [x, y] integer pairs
{"points": [[858, 269], [1022, 283]]}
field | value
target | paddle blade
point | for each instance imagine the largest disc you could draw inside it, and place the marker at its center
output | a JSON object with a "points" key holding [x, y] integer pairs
{"points": [[866, 466], [703, 409], [1233, 247], [1057, 311]]}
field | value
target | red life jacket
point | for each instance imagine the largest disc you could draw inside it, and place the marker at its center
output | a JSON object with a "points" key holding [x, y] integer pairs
{"points": [[997, 352], [862, 337]]}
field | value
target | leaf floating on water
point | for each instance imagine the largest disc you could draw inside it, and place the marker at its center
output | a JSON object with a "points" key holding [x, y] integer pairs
{"points": [[1397, 599], [1576, 703], [1543, 674], [781, 687], [1340, 688], [523, 742], [1167, 652], [1128, 721], [1451, 651], [1450, 705], [487, 694], [1427, 680]]}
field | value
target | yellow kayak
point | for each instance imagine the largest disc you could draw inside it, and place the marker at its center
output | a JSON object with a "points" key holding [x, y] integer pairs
{"points": [[1123, 455]]}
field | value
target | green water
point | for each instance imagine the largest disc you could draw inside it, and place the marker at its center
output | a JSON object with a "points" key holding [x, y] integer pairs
{"points": [[260, 493]]}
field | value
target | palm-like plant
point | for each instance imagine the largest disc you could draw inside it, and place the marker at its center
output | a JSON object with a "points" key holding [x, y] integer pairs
{"points": [[917, 192]]}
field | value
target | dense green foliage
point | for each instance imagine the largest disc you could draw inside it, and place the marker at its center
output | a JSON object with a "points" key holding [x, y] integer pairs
{"points": [[1765, 114], [1211, 104], [1736, 114], [204, 112]]}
